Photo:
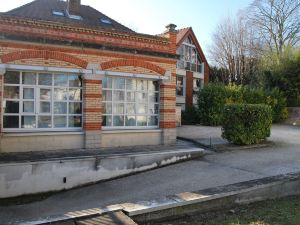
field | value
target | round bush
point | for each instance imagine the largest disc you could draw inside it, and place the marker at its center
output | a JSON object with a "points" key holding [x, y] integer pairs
{"points": [[246, 124]]}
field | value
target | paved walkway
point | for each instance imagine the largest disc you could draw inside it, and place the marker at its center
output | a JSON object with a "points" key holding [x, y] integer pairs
{"points": [[211, 171]]}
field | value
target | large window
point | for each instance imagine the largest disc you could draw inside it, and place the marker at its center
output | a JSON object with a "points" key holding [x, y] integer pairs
{"points": [[189, 57], [42, 101], [130, 103]]}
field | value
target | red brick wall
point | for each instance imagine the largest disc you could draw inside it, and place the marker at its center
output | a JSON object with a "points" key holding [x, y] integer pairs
{"points": [[189, 89]]}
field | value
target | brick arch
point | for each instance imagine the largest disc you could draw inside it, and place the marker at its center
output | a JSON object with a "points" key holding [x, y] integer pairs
{"points": [[135, 63], [31, 54]]}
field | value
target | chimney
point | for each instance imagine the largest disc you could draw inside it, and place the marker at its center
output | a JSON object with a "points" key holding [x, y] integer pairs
{"points": [[171, 27], [73, 7], [171, 33]]}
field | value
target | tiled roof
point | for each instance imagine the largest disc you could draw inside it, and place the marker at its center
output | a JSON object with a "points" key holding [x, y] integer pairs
{"points": [[43, 10], [181, 33]]}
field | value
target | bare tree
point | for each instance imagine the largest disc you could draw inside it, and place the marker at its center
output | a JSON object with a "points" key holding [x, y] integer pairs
{"points": [[277, 23], [234, 49]]}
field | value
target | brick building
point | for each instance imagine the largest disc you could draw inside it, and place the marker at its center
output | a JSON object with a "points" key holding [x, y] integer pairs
{"points": [[192, 69], [71, 77]]}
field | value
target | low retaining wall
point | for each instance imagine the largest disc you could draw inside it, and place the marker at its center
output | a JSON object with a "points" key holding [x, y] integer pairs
{"points": [[294, 116], [25, 178]]}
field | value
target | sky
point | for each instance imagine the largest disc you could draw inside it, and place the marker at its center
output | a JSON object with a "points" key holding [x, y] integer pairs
{"points": [[151, 16]]}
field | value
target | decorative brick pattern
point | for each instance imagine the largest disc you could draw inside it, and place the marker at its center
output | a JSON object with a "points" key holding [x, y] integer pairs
{"points": [[92, 105], [134, 63], [44, 54]]}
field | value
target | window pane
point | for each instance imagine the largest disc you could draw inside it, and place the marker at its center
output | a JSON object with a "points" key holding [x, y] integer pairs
{"points": [[44, 122], [118, 108], [119, 83], [29, 78], [130, 97], [45, 94], [75, 94], [45, 107], [153, 85], [61, 80], [60, 121], [108, 108], [12, 107], [119, 96], [28, 122], [107, 121], [60, 108], [153, 121], [11, 92], [179, 80], [28, 93], [141, 120], [75, 121], [107, 82], [130, 121], [75, 108], [45, 79], [10, 121], [74, 81], [153, 108], [130, 109], [28, 107], [142, 85], [107, 96], [142, 97], [153, 97], [179, 91], [60, 94], [12, 77], [118, 121], [131, 84], [142, 109]]}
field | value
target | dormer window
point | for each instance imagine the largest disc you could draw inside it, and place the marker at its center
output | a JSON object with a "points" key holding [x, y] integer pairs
{"points": [[58, 13], [105, 21]]}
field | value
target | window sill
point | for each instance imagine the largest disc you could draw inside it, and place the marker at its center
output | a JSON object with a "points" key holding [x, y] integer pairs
{"points": [[110, 131], [22, 134]]}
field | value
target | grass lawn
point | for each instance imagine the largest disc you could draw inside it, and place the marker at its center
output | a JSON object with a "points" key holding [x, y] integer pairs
{"points": [[284, 211]]}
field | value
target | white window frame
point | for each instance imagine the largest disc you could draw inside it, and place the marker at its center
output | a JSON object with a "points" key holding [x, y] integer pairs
{"points": [[37, 101], [182, 86], [184, 64], [147, 114]]}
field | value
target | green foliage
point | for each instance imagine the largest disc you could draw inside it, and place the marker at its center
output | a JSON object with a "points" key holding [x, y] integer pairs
{"points": [[190, 116], [246, 124], [212, 99], [284, 74]]}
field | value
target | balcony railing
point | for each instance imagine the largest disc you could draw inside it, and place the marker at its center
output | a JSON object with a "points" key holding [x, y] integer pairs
{"points": [[189, 66]]}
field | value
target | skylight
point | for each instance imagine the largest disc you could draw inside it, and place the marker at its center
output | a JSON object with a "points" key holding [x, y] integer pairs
{"points": [[57, 13], [106, 21]]}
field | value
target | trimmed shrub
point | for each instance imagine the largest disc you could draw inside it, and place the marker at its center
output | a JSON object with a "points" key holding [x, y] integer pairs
{"points": [[246, 124], [190, 116], [211, 100]]}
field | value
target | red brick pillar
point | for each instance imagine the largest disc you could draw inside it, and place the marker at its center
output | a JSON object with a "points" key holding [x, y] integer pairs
{"points": [[168, 110], [2, 72], [189, 89], [92, 110]]}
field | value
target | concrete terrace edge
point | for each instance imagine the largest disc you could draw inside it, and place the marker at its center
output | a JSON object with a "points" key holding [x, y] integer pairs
{"points": [[197, 201], [18, 179]]}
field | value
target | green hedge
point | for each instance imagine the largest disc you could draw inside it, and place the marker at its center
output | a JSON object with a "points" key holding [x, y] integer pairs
{"points": [[211, 100], [213, 97], [246, 124]]}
